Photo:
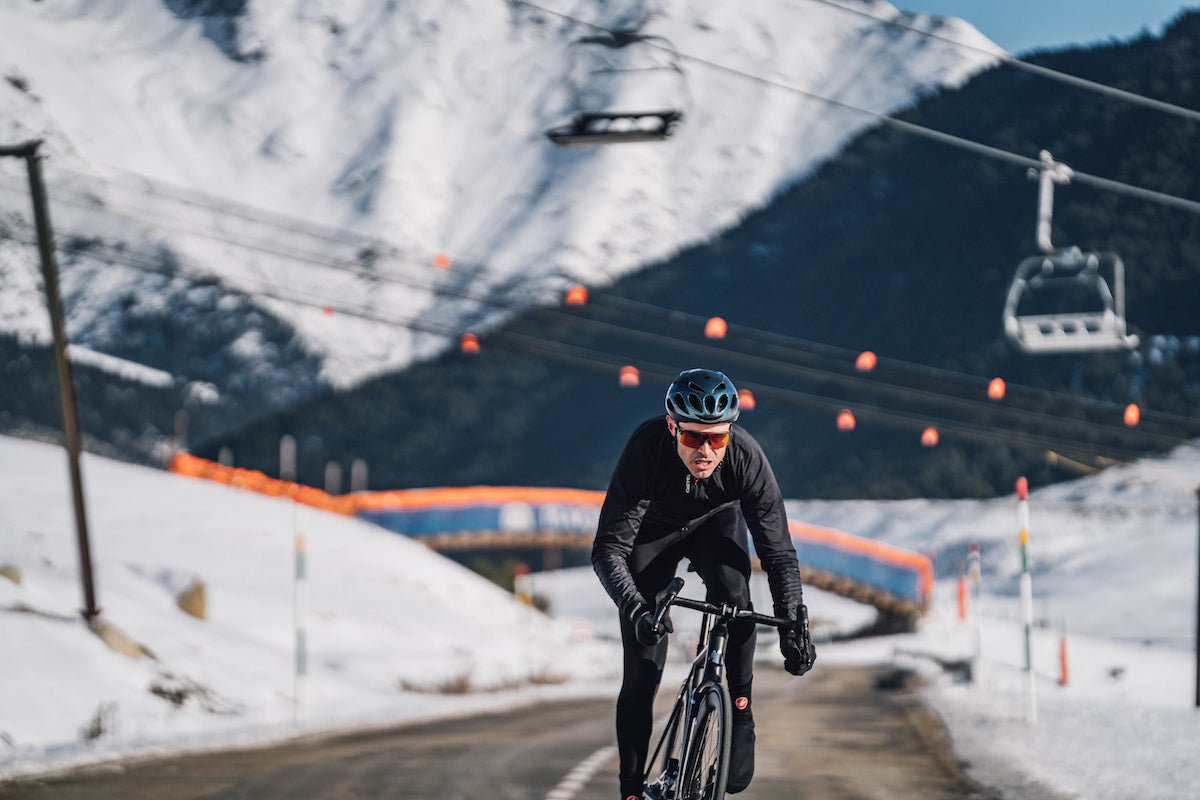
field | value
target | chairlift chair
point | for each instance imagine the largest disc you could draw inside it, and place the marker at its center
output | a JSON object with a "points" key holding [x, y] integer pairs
{"points": [[1071, 273], [1057, 277], [625, 87]]}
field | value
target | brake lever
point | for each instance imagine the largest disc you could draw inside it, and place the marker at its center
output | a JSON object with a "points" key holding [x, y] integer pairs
{"points": [[662, 601]]}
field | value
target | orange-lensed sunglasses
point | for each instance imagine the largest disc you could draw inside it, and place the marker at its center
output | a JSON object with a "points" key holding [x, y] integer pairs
{"points": [[694, 440]]}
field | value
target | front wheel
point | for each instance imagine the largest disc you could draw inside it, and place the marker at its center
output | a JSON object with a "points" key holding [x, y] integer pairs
{"points": [[707, 763]]}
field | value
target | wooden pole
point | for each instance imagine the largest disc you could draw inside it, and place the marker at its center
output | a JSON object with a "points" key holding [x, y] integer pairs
{"points": [[66, 386]]}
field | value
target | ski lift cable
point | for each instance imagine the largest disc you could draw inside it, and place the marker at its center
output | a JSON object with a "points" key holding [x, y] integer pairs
{"points": [[796, 347], [577, 353], [920, 130], [818, 352], [484, 300], [1005, 58], [1012, 61], [792, 347], [324, 260], [146, 263], [799, 347], [964, 143], [591, 359], [196, 198], [332, 234], [856, 381]]}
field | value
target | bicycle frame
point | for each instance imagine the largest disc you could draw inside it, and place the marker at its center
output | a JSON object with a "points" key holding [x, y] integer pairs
{"points": [[706, 666], [707, 670]]}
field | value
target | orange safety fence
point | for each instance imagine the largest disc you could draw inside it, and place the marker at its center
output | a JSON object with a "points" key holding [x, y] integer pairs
{"points": [[451, 496], [255, 481], [445, 497]]}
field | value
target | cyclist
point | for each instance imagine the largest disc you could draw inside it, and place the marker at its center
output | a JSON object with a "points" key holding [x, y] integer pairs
{"points": [[688, 487]]}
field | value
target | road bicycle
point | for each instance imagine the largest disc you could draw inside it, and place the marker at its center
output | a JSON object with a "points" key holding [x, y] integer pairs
{"points": [[691, 759]]}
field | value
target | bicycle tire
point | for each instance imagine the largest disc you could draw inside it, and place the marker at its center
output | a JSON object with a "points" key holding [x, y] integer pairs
{"points": [[706, 767]]}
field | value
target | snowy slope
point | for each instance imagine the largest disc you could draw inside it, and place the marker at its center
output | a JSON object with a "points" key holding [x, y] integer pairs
{"points": [[390, 623], [317, 156]]}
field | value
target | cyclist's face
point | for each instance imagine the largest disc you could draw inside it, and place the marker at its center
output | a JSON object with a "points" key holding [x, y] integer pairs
{"points": [[702, 460]]}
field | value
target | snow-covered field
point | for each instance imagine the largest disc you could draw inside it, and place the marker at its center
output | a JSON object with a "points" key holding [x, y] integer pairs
{"points": [[391, 626]]}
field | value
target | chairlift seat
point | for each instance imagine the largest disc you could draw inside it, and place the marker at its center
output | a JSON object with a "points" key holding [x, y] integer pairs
{"points": [[590, 128], [1069, 332]]}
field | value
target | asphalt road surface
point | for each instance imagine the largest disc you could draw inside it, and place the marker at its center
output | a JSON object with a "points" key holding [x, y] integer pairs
{"points": [[834, 734]]}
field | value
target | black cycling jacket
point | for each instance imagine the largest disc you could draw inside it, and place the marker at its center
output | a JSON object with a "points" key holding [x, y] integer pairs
{"points": [[651, 486]]}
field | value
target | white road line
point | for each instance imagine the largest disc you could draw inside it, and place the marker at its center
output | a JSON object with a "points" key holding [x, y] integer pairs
{"points": [[577, 778]]}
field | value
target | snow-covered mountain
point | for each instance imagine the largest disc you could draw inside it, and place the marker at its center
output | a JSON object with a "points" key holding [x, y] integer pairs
{"points": [[265, 191]]}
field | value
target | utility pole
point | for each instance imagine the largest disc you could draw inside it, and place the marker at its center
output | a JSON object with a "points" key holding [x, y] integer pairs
{"points": [[66, 387]]}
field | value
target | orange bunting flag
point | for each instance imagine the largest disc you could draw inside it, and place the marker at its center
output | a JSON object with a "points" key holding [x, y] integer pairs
{"points": [[1133, 415], [715, 328], [845, 420], [745, 399], [469, 343], [629, 376], [577, 295], [441, 261], [996, 389], [929, 437], [865, 361]]}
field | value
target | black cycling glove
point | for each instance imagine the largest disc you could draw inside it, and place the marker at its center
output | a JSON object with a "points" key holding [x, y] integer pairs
{"points": [[646, 633], [799, 654]]}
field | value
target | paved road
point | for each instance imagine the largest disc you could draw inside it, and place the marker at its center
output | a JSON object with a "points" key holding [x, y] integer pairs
{"points": [[832, 735]]}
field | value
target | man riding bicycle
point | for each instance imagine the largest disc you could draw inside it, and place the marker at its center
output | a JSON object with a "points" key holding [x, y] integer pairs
{"points": [[688, 487]]}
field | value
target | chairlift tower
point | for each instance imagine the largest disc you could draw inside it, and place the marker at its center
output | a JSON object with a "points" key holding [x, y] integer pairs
{"points": [[1060, 279]]}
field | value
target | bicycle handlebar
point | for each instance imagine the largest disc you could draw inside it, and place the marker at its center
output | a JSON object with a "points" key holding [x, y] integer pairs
{"points": [[670, 597]]}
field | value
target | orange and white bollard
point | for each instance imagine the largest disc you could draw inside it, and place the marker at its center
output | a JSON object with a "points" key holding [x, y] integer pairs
{"points": [[523, 584], [1026, 598], [1064, 672], [974, 576], [300, 613]]}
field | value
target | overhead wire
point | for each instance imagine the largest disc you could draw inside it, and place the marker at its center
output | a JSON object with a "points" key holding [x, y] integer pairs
{"points": [[796, 348], [608, 360], [1036, 69], [778, 364], [516, 342], [339, 236], [905, 126], [791, 347], [799, 349], [808, 401]]}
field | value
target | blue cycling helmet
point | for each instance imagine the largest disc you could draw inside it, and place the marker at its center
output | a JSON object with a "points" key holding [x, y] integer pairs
{"points": [[702, 395]]}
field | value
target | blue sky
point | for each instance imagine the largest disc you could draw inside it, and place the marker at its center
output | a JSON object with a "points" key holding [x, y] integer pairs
{"points": [[1022, 25]]}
